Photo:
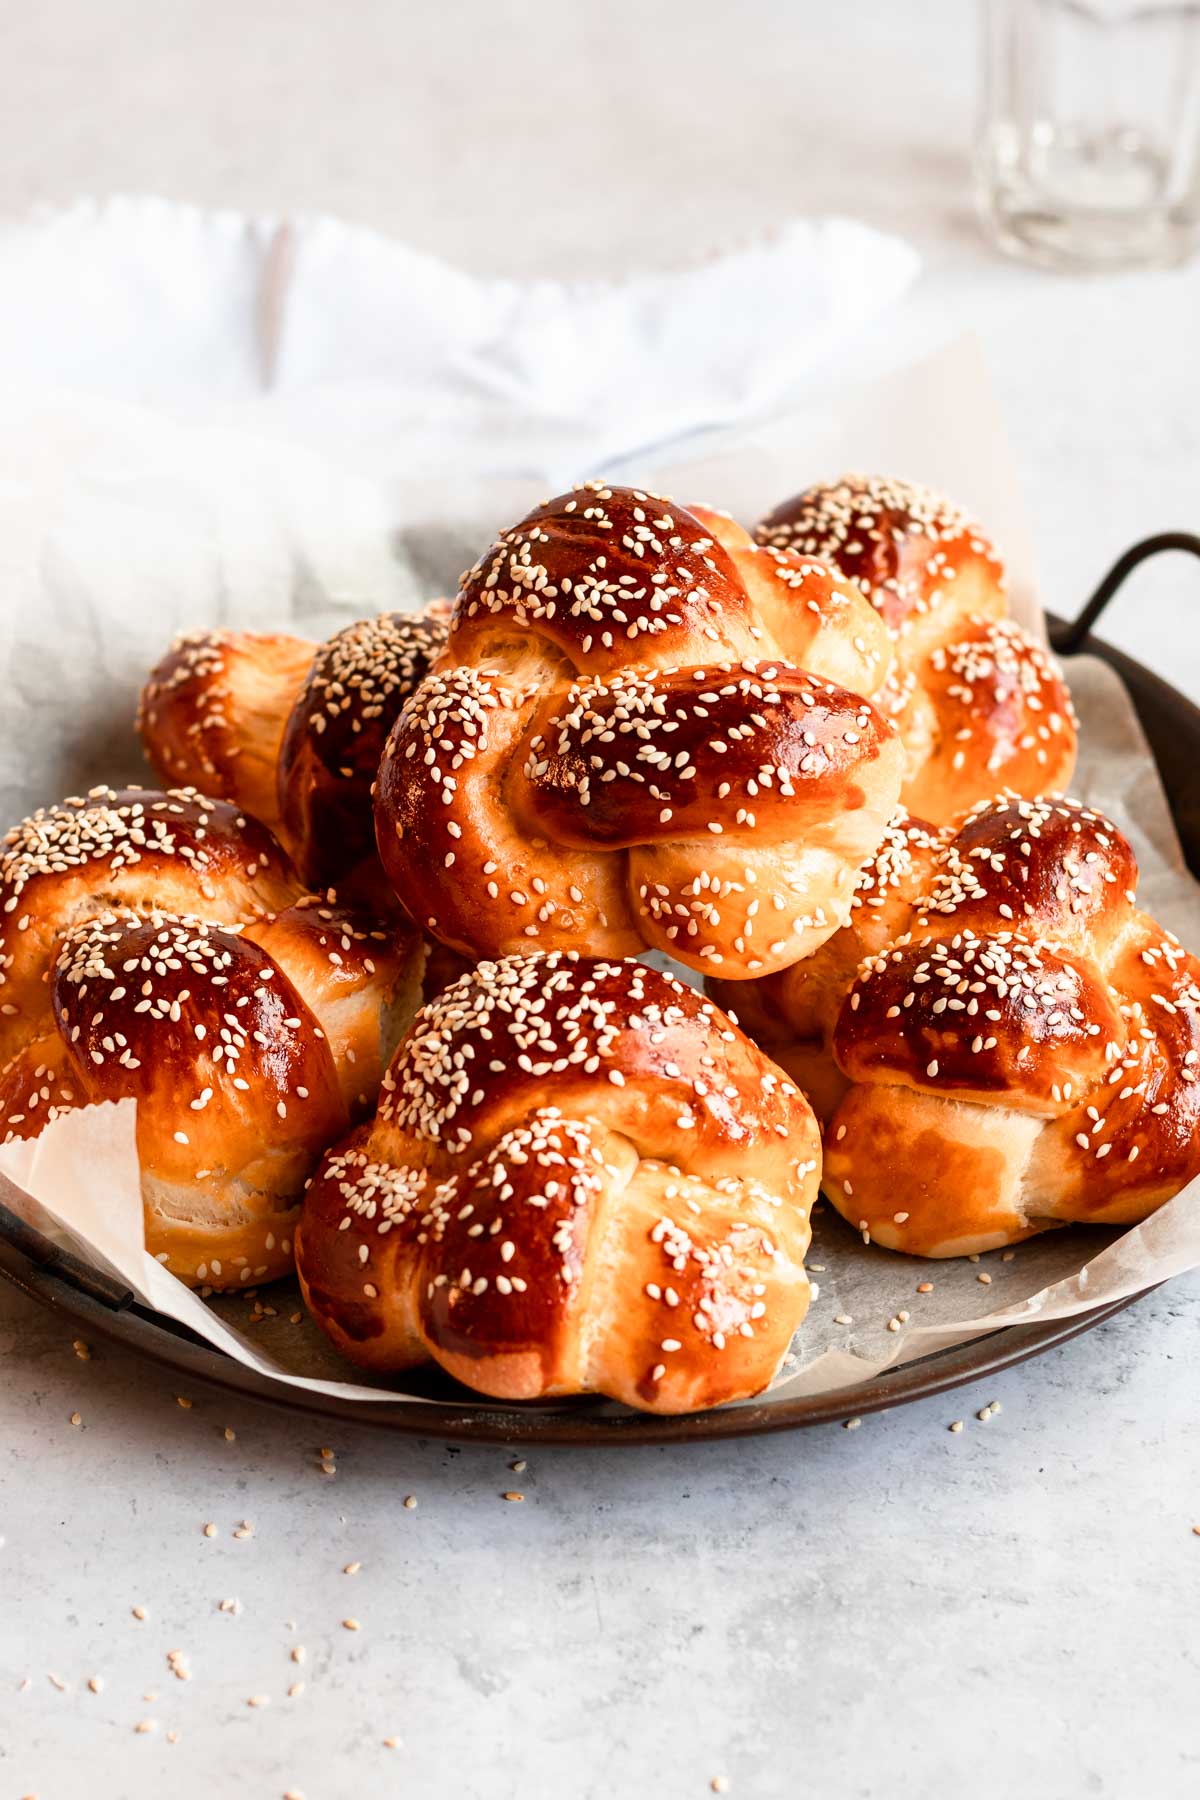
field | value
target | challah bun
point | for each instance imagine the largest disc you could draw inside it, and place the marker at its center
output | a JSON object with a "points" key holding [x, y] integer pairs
{"points": [[582, 1178], [637, 736], [979, 703], [1020, 1047], [158, 946], [290, 730]]}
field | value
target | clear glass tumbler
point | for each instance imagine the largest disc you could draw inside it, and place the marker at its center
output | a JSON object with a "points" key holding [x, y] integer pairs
{"points": [[1088, 147]]}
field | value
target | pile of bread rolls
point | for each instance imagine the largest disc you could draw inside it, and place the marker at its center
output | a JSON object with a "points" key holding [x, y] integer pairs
{"points": [[370, 960]]}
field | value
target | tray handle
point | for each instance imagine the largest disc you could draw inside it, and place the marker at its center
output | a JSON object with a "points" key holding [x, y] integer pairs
{"points": [[1070, 636], [36, 1248]]}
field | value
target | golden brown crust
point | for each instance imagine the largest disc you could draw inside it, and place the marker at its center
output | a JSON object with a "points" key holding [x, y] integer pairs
{"points": [[361, 977], [1030, 1022], [718, 814], [986, 710], [792, 1013], [236, 1086], [981, 1016], [908, 549], [290, 730], [1016, 1044], [141, 849], [554, 1197], [561, 779], [930, 1176], [605, 578], [979, 704], [335, 733], [213, 712], [158, 946]]}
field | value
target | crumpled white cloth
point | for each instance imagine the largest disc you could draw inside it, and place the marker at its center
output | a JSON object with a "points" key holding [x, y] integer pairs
{"points": [[206, 420], [390, 358]]}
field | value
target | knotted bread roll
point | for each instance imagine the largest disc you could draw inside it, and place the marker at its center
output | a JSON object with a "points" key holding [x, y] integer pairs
{"points": [[792, 1014], [291, 730], [979, 703], [582, 1178], [644, 731], [158, 946], [1021, 1046]]}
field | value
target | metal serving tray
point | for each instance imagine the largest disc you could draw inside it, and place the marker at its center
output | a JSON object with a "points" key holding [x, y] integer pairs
{"points": [[89, 1301]]}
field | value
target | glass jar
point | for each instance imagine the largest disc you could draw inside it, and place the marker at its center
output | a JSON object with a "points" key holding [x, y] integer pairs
{"points": [[1088, 147]]}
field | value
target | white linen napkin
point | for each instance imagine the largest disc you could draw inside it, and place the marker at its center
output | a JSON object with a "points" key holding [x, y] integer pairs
{"points": [[392, 360], [206, 419]]}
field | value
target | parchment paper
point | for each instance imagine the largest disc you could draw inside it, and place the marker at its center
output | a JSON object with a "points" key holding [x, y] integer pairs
{"points": [[936, 422]]}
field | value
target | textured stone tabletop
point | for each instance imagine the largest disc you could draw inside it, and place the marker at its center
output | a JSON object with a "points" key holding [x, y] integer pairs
{"points": [[895, 1609]]}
